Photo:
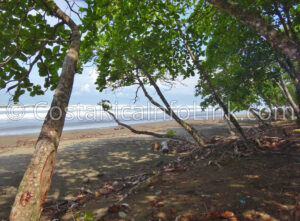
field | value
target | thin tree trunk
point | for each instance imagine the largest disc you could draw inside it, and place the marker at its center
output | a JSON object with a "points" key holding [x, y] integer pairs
{"points": [[288, 96], [230, 129], [289, 68], [271, 108], [37, 178], [213, 90], [264, 123], [168, 110], [298, 100], [254, 20]]}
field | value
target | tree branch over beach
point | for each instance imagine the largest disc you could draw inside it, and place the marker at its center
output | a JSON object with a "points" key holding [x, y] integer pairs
{"points": [[106, 108]]}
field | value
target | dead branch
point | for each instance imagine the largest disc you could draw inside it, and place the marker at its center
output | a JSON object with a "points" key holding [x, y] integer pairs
{"points": [[152, 82], [151, 99], [136, 94], [140, 185], [72, 10]]}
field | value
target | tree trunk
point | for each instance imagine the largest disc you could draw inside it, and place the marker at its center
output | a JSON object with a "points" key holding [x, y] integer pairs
{"points": [[212, 88], [230, 129], [36, 182], [298, 100], [278, 40], [290, 69], [263, 122], [168, 110], [254, 20], [288, 96]]}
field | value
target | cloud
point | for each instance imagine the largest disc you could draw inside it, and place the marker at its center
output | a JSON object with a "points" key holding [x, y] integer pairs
{"points": [[93, 74], [85, 88]]}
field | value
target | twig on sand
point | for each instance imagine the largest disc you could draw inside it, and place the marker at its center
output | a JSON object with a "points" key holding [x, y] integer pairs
{"points": [[141, 185]]}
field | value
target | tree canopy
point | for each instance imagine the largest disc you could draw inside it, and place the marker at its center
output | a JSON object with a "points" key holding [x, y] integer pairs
{"points": [[30, 38]]}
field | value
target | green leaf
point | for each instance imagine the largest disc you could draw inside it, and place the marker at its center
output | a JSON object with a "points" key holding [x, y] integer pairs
{"points": [[56, 49], [88, 216], [171, 132]]}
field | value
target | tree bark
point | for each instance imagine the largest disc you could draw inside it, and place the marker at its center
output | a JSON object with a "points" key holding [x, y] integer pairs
{"points": [[168, 110], [254, 20], [37, 178]]}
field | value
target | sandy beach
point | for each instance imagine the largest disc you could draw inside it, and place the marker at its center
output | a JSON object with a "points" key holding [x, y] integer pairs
{"points": [[17, 142], [100, 154], [105, 155]]}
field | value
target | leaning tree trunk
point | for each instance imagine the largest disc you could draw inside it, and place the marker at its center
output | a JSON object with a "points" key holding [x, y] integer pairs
{"points": [[37, 178], [298, 100], [168, 110], [278, 40], [254, 20], [288, 96], [263, 122], [211, 87], [289, 68], [230, 129]]}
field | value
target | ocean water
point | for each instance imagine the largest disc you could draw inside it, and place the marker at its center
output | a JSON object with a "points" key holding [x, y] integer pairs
{"points": [[28, 119]]}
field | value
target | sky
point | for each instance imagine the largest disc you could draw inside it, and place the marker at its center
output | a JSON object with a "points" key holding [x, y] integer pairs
{"points": [[85, 92], [84, 89]]}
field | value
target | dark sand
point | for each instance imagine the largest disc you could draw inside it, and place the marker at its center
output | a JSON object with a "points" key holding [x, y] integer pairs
{"points": [[115, 153]]}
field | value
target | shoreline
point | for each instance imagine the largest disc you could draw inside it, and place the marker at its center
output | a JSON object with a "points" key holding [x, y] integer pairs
{"points": [[70, 137]]}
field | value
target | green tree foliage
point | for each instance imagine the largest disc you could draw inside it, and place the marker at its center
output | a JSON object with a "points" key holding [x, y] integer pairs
{"points": [[243, 66], [130, 30], [29, 41]]}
